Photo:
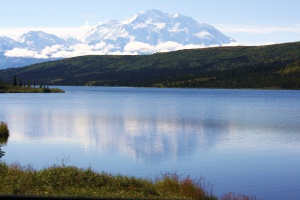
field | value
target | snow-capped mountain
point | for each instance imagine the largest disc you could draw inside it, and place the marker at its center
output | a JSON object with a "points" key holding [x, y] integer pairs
{"points": [[38, 40], [7, 43], [144, 33], [155, 28]]}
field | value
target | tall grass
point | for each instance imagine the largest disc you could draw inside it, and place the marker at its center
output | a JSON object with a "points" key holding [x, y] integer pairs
{"points": [[233, 196], [4, 132], [76, 182]]}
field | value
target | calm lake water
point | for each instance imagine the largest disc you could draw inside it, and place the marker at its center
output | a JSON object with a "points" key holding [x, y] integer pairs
{"points": [[240, 140]]}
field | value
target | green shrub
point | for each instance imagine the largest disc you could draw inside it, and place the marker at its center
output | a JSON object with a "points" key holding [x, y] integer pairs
{"points": [[174, 186], [4, 132]]}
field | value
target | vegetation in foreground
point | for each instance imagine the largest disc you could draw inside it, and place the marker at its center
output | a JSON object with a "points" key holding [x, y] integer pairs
{"points": [[70, 181]]}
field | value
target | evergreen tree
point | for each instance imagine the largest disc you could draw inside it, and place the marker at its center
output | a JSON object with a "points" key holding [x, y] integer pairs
{"points": [[15, 81], [20, 82], [1, 84]]}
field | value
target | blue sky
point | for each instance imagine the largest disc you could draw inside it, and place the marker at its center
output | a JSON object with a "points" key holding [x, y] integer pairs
{"points": [[250, 22]]}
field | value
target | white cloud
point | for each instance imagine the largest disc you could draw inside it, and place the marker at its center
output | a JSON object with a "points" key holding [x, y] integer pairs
{"points": [[75, 50], [19, 52], [203, 34], [123, 53], [53, 49], [100, 45], [132, 48], [168, 46], [162, 47], [62, 54], [84, 49], [138, 46], [231, 44], [60, 51]]}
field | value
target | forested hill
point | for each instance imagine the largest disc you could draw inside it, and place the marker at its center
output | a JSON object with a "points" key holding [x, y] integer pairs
{"points": [[272, 66]]}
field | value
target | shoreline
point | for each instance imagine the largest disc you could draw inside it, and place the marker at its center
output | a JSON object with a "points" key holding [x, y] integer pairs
{"points": [[73, 182], [19, 89]]}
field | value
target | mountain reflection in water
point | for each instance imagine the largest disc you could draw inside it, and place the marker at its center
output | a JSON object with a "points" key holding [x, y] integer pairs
{"points": [[243, 140]]}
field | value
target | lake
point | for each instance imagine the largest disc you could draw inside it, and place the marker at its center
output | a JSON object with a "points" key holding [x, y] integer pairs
{"points": [[244, 141]]}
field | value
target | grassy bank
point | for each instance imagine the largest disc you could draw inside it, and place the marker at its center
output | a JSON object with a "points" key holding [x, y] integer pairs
{"points": [[19, 89], [70, 181]]}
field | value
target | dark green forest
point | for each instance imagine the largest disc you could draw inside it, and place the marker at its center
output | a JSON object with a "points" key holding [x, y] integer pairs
{"points": [[265, 67]]}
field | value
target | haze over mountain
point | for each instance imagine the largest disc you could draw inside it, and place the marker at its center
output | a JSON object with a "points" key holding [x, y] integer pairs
{"points": [[144, 33]]}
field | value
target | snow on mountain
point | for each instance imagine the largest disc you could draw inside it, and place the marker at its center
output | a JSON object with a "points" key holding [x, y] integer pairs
{"points": [[7, 43], [153, 29], [30, 48], [38, 40], [144, 33]]}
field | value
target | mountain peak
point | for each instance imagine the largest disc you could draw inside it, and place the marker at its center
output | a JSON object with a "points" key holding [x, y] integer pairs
{"points": [[7, 43], [153, 27], [31, 34], [38, 40], [176, 15], [151, 12], [146, 32]]}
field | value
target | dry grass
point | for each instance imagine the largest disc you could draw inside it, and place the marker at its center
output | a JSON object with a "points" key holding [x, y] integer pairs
{"points": [[71, 181], [233, 196]]}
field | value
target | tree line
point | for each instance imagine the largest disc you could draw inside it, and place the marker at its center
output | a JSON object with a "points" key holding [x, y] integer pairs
{"points": [[273, 66], [19, 82]]}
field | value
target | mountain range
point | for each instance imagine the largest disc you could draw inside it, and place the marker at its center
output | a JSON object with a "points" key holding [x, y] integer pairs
{"points": [[144, 33]]}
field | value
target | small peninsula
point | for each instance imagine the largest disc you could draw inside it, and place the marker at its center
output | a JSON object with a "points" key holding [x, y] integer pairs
{"points": [[18, 89], [23, 88]]}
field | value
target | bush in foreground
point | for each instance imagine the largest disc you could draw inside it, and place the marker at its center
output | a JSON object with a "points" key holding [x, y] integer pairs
{"points": [[71, 181]]}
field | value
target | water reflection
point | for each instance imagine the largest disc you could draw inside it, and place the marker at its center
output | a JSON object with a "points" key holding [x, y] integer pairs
{"points": [[146, 137], [243, 140], [4, 134], [152, 125], [1, 152], [3, 140]]}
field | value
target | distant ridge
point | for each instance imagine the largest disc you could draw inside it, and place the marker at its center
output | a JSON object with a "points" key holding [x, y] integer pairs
{"points": [[144, 33], [264, 67]]}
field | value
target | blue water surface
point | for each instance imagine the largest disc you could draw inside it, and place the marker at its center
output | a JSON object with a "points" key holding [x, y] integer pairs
{"points": [[244, 141]]}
